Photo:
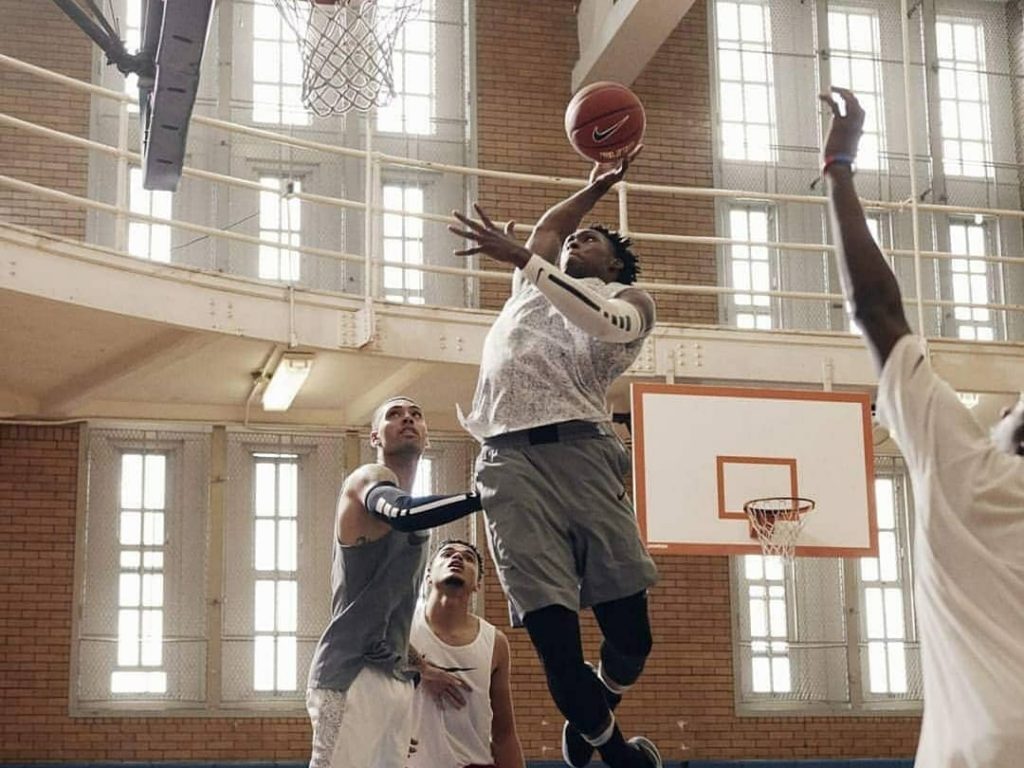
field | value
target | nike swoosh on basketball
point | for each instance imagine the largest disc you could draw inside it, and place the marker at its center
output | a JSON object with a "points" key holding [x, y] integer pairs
{"points": [[600, 135]]}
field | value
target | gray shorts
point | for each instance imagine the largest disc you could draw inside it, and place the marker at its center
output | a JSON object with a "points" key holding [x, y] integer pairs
{"points": [[559, 523]]}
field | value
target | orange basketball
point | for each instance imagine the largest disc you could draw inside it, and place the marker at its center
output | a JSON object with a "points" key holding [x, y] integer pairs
{"points": [[605, 121]]}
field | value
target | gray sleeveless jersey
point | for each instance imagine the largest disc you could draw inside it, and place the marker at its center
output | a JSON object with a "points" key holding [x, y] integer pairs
{"points": [[375, 587], [538, 368]]}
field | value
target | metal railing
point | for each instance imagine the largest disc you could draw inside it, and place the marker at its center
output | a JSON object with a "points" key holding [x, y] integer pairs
{"points": [[373, 211]]}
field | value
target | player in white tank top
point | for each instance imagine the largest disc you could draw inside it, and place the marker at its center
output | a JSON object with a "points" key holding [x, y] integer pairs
{"points": [[472, 725]]}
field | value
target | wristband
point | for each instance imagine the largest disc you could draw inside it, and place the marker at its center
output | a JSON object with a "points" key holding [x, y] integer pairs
{"points": [[837, 159]]}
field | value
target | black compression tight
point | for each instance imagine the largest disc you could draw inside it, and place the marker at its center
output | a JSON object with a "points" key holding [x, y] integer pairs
{"points": [[627, 637], [555, 632]]}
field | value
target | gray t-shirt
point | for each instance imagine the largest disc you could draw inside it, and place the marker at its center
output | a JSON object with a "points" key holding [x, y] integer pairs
{"points": [[538, 368], [374, 587]]}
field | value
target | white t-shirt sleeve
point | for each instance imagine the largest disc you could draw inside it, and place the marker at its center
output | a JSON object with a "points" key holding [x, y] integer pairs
{"points": [[937, 434]]}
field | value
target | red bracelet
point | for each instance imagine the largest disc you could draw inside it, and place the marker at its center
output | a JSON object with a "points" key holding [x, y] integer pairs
{"points": [[831, 160]]}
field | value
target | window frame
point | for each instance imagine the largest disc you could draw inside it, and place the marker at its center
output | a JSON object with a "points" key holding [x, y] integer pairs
{"points": [[405, 270], [393, 118], [281, 110], [956, 168], [849, 608], [284, 257], [877, 95], [755, 308], [746, 50]]}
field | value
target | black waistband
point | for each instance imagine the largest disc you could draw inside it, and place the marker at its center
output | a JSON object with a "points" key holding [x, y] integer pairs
{"points": [[550, 433]]}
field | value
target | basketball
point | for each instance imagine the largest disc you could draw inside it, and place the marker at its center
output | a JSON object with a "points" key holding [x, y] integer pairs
{"points": [[604, 121]]}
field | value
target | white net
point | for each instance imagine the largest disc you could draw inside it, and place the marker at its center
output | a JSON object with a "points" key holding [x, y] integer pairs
{"points": [[347, 48], [777, 523]]}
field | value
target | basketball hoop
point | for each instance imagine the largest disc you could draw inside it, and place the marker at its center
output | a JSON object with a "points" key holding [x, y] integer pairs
{"points": [[346, 48], [776, 523]]}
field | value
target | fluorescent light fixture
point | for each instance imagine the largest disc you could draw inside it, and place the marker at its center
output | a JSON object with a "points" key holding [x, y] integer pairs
{"points": [[970, 399], [286, 380]]}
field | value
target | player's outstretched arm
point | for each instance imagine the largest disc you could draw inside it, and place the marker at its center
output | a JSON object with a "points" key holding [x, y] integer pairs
{"points": [[505, 747], [371, 503], [564, 218], [869, 285], [622, 319], [387, 502]]}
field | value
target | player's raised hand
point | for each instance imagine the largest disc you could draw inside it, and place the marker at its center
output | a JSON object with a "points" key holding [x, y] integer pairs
{"points": [[612, 173], [491, 240], [847, 125]]}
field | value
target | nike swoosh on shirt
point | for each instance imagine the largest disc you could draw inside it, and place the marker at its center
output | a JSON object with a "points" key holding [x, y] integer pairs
{"points": [[601, 135]]}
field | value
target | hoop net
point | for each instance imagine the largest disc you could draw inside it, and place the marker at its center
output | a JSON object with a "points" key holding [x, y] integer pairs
{"points": [[346, 49], [776, 522]]}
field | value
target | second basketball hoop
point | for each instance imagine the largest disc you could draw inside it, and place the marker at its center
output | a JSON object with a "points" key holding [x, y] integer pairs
{"points": [[776, 523]]}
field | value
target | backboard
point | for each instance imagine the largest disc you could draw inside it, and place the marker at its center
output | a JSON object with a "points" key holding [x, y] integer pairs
{"points": [[700, 452]]}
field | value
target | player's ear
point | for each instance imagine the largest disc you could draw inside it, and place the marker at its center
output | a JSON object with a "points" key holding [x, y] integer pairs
{"points": [[374, 438]]}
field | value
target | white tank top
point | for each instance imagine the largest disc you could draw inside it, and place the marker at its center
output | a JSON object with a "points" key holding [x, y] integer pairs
{"points": [[454, 738]]}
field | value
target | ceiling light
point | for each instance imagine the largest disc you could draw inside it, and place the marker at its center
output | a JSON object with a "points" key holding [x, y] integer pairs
{"points": [[287, 379], [970, 399]]}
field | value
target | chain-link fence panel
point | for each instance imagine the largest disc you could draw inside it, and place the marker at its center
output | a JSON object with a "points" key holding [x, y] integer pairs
{"points": [[142, 629], [281, 500]]}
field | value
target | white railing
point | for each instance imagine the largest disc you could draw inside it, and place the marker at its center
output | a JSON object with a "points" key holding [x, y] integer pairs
{"points": [[373, 263]]}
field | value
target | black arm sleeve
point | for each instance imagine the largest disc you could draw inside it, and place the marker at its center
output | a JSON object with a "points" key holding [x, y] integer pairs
{"points": [[402, 512]]}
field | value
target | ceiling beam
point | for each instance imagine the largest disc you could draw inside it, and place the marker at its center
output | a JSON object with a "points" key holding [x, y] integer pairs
{"points": [[360, 409], [151, 357], [617, 39]]}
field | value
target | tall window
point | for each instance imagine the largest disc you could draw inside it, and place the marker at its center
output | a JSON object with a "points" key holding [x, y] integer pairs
{"points": [[963, 98], [749, 267], [411, 110], [971, 282], [275, 615], [140, 601], [403, 243], [280, 222], [276, 69], [855, 62], [886, 612], [764, 586], [746, 90], [147, 240], [423, 485]]}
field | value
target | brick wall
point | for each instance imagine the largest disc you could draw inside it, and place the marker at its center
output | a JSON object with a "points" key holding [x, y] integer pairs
{"points": [[689, 680], [40, 34], [525, 55], [38, 482]]}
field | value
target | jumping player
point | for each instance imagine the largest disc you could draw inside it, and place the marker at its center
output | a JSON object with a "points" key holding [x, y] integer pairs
{"points": [[550, 473]]}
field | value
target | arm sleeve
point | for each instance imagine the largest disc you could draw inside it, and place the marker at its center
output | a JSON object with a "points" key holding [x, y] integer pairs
{"points": [[614, 320], [402, 512]]}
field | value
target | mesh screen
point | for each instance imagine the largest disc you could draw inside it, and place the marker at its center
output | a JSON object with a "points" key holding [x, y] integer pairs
{"points": [[182, 546], [321, 469]]}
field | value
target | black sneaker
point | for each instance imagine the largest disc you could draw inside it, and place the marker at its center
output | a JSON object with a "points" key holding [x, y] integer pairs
{"points": [[646, 747], [576, 751]]}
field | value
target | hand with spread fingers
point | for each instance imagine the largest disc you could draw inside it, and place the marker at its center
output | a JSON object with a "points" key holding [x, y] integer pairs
{"points": [[445, 687], [491, 240], [846, 130], [610, 174]]}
